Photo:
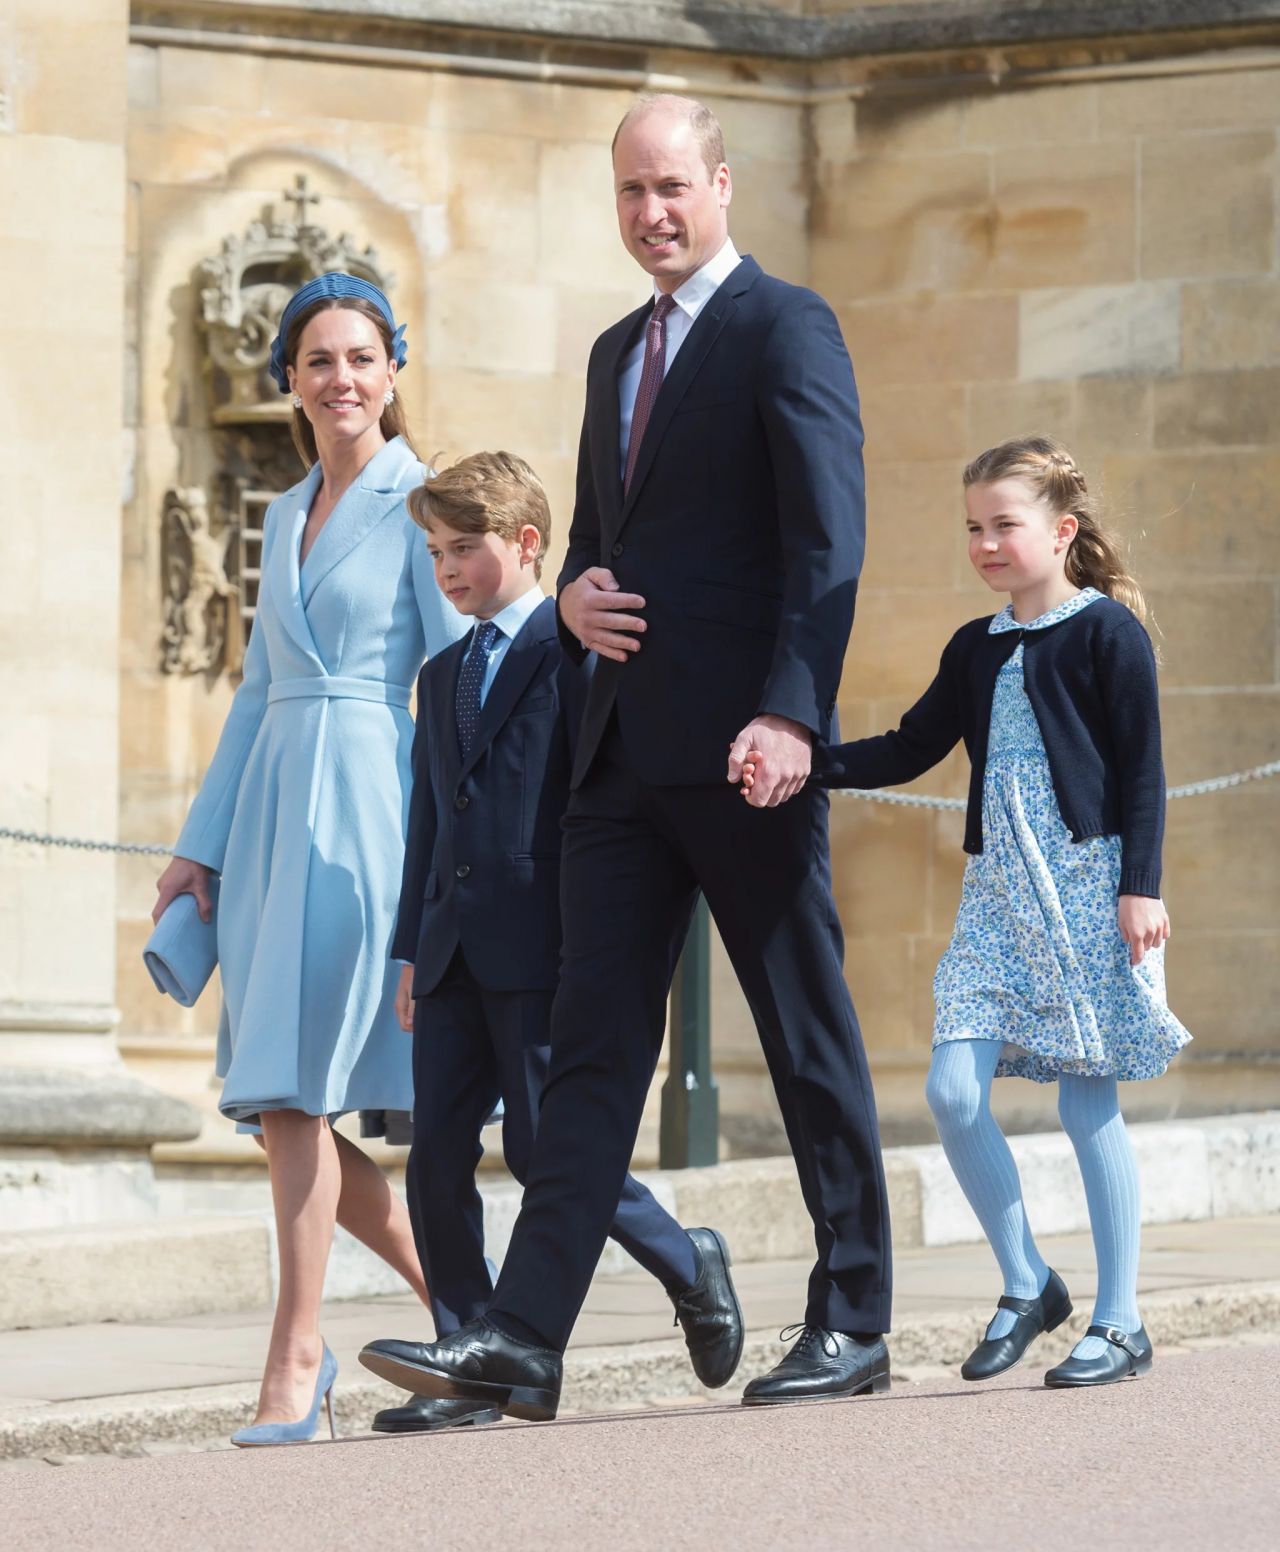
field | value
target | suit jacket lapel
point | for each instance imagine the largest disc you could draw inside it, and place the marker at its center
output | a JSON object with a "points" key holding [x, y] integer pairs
{"points": [[606, 417], [684, 369], [514, 673], [706, 329], [373, 496], [442, 674]]}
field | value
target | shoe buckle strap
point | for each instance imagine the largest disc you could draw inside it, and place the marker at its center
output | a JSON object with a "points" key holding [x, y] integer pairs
{"points": [[1117, 1338], [1018, 1306]]}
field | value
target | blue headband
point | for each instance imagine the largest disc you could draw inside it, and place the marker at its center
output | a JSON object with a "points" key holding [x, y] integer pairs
{"points": [[336, 285]]}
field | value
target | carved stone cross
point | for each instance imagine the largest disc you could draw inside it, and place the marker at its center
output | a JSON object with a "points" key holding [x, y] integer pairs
{"points": [[298, 196]]}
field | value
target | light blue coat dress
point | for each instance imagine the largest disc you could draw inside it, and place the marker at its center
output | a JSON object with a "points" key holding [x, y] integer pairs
{"points": [[304, 807]]}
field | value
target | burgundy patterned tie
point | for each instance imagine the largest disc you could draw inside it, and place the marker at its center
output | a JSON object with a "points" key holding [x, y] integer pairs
{"points": [[655, 364]]}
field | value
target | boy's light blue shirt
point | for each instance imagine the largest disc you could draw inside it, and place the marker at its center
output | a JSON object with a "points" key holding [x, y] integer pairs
{"points": [[510, 623]]}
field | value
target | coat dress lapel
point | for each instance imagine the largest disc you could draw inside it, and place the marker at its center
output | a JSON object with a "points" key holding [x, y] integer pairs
{"points": [[362, 506], [514, 673], [282, 573]]}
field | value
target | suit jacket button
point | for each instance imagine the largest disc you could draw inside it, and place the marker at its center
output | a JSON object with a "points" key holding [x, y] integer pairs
{"points": [[462, 870], [616, 551], [461, 801]]}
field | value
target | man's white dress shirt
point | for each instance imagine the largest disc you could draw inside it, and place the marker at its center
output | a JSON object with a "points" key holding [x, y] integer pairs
{"points": [[690, 299]]}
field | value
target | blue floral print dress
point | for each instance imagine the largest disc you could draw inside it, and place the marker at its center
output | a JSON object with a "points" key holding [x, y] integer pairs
{"points": [[1036, 960]]}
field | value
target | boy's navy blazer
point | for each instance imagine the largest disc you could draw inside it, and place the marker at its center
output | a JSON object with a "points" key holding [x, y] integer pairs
{"points": [[742, 528], [482, 859]]}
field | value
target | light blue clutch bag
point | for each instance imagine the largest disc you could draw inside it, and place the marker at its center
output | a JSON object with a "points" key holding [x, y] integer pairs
{"points": [[182, 951]]}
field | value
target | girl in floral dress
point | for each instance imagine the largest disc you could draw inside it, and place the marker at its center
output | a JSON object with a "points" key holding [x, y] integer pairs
{"points": [[1055, 971]]}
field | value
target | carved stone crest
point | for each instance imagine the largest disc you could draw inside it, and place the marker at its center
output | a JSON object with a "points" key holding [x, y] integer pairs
{"points": [[243, 291], [197, 588], [212, 559]]}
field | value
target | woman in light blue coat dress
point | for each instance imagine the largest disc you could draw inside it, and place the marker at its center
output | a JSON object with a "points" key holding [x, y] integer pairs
{"points": [[303, 815]]}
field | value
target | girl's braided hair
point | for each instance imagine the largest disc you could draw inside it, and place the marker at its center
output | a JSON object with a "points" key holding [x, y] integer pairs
{"points": [[1095, 558]]}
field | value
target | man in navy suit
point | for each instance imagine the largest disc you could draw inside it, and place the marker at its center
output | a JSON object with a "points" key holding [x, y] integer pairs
{"points": [[712, 566], [479, 919]]}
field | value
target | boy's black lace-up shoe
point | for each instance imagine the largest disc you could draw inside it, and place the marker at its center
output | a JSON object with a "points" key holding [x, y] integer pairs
{"points": [[709, 1313], [425, 1414]]}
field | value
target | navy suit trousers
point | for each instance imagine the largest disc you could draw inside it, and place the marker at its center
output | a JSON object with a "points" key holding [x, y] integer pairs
{"points": [[635, 856], [471, 1046]]}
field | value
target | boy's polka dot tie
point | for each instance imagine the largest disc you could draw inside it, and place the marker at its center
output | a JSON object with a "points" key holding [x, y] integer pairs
{"points": [[470, 678]]}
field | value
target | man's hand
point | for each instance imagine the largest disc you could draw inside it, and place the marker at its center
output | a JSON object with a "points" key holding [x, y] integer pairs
{"points": [[183, 877], [596, 612], [404, 999], [1144, 924], [780, 752]]}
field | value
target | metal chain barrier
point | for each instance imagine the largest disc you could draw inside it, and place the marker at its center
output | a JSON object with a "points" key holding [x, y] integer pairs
{"points": [[1191, 789], [74, 843]]}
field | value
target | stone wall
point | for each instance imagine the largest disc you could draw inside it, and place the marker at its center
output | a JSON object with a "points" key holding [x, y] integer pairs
{"points": [[1096, 259], [62, 126], [1087, 248]]}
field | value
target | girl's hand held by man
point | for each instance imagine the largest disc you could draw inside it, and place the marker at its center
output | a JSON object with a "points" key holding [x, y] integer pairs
{"points": [[1144, 924]]}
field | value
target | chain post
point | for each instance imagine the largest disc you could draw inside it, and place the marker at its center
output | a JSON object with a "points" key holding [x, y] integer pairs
{"points": [[689, 1132]]}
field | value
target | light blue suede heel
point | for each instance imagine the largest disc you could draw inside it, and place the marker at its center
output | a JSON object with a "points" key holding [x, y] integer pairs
{"points": [[304, 1430]]}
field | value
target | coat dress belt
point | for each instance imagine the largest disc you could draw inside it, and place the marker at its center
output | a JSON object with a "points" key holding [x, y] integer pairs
{"points": [[332, 688]]}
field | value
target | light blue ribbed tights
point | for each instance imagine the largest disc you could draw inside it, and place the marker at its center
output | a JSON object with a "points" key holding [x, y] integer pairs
{"points": [[959, 1095]]}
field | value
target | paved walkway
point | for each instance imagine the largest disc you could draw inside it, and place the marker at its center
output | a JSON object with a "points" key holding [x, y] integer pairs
{"points": [[1182, 1460], [624, 1347]]}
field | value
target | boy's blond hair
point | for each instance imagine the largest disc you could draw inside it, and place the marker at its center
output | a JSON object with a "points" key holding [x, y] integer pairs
{"points": [[495, 493]]}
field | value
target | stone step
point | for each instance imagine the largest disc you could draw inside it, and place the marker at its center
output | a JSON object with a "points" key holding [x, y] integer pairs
{"points": [[211, 1246], [133, 1271]]}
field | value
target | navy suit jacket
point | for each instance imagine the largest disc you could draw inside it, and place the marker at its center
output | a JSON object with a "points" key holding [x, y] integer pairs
{"points": [[743, 528], [482, 859]]}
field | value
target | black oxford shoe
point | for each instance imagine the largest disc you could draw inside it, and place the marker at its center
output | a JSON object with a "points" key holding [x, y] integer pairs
{"points": [[822, 1364], [709, 1313], [1032, 1317], [1125, 1358], [477, 1363], [424, 1415]]}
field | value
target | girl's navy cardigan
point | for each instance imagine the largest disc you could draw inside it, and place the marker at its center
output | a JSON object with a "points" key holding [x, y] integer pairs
{"points": [[1091, 680]]}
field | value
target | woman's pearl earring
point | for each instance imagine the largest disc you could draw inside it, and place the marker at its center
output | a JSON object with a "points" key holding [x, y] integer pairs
{"points": [[389, 396], [297, 401]]}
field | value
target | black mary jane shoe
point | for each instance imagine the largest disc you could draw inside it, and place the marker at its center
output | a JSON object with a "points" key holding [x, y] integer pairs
{"points": [[429, 1414], [1125, 1358], [1032, 1317]]}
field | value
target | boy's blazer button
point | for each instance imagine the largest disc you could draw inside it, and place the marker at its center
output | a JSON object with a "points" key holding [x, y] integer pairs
{"points": [[462, 870], [461, 801], [616, 551]]}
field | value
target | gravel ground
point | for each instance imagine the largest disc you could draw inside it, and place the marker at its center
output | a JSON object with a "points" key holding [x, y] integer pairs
{"points": [[1184, 1458]]}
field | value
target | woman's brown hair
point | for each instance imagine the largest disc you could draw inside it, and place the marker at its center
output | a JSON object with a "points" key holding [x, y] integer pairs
{"points": [[1095, 558], [393, 422]]}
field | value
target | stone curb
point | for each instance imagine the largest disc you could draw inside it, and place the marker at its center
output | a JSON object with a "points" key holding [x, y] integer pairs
{"points": [[1217, 1167], [600, 1379]]}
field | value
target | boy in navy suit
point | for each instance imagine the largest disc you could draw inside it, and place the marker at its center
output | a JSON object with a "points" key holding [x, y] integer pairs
{"points": [[479, 920]]}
